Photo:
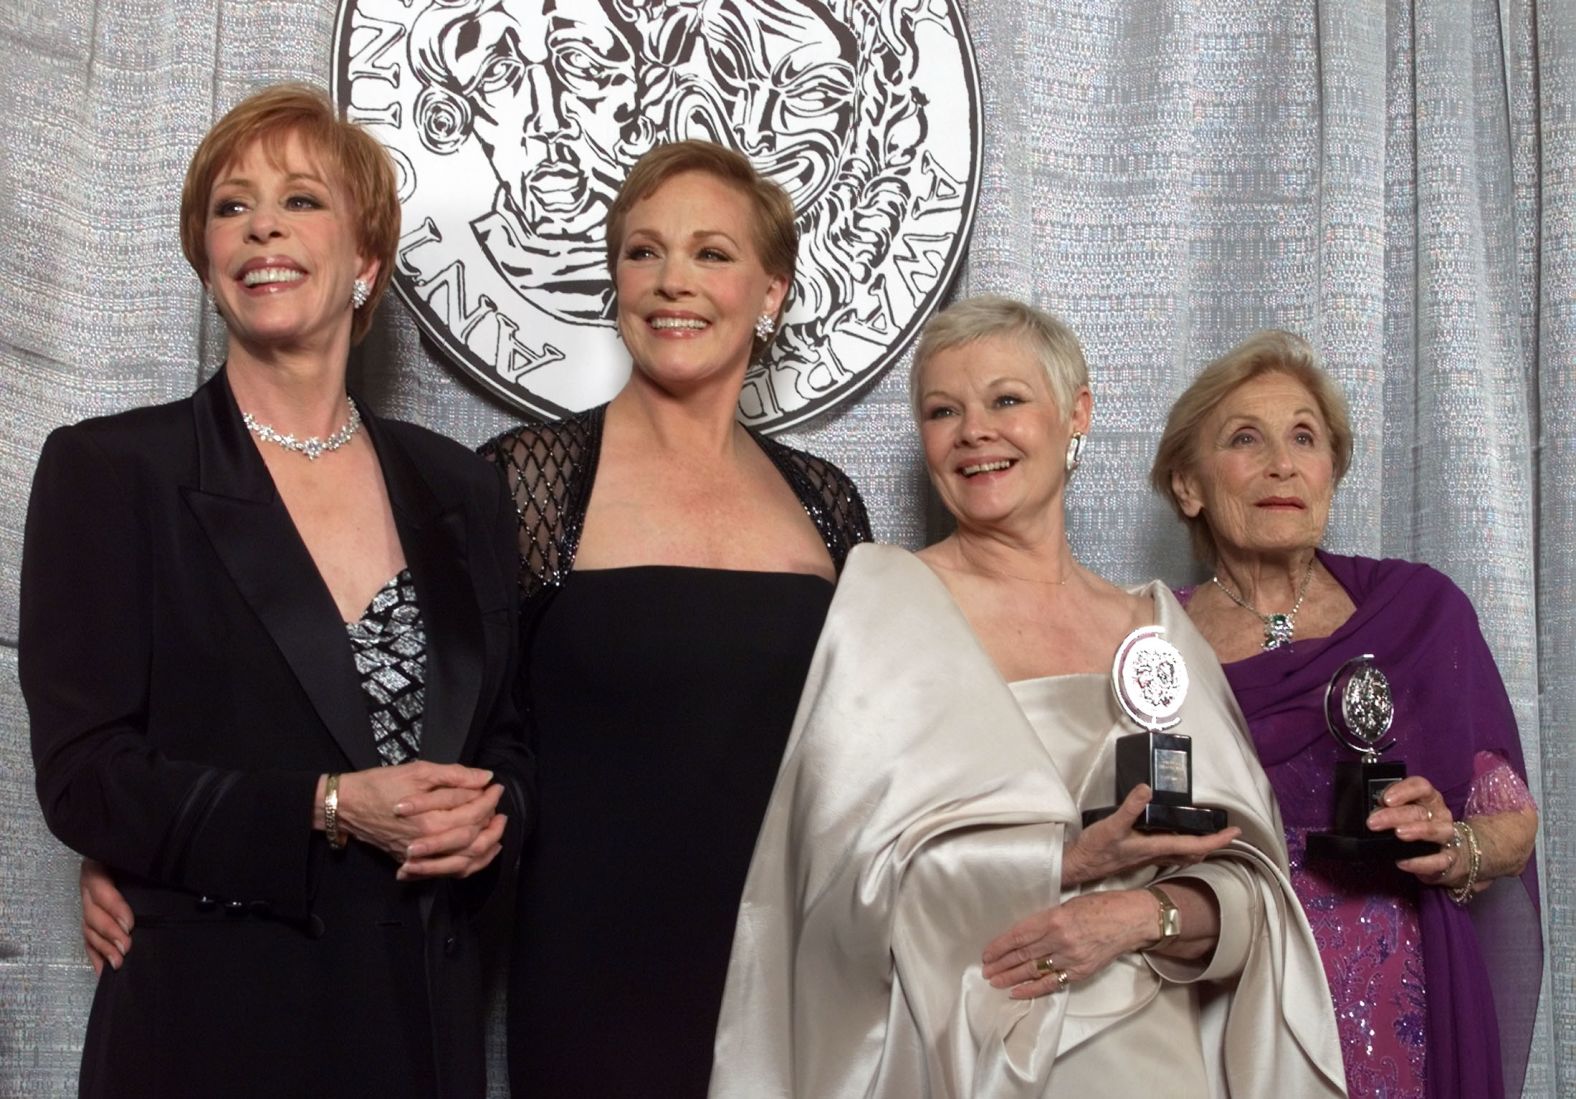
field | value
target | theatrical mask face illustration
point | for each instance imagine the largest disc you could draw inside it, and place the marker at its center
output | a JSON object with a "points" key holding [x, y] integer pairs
{"points": [[776, 81], [513, 123], [551, 91], [565, 95]]}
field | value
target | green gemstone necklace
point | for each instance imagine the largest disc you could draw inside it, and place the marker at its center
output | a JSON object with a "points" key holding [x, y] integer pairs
{"points": [[1278, 628]]}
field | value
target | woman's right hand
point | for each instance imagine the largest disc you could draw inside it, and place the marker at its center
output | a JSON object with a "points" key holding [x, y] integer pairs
{"points": [[1111, 846], [106, 918], [446, 806], [1077, 939]]}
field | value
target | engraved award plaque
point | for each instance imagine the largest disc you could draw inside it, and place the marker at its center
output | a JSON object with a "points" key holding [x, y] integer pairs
{"points": [[1358, 711], [1149, 679]]}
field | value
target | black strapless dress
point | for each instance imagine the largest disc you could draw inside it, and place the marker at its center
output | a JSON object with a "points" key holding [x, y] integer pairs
{"points": [[661, 698]]}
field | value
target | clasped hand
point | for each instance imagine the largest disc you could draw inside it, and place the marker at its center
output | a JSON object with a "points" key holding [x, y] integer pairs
{"points": [[1417, 811], [1084, 934], [1111, 846], [437, 820]]}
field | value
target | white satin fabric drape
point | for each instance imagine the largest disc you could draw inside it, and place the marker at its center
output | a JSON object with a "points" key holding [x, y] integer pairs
{"points": [[918, 814], [1385, 178]]}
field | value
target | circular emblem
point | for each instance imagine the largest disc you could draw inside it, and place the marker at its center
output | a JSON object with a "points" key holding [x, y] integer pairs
{"points": [[512, 123], [1149, 677], [1366, 707]]}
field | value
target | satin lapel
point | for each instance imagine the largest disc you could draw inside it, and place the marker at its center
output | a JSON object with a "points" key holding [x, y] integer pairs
{"points": [[433, 535], [245, 520]]}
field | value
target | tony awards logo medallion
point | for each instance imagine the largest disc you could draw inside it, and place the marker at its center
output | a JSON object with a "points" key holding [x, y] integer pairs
{"points": [[1149, 679], [512, 124], [1358, 711]]}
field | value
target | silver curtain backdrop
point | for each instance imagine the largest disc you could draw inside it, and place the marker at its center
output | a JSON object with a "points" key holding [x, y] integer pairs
{"points": [[1396, 180]]}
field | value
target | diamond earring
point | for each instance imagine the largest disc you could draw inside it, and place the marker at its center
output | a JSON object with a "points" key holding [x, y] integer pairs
{"points": [[764, 326], [1075, 447], [360, 291]]}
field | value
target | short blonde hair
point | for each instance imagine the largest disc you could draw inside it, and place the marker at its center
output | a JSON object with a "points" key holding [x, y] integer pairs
{"points": [[776, 233], [354, 158], [1269, 351], [1047, 338]]}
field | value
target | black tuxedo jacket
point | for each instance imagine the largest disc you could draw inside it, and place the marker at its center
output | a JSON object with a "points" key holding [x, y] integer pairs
{"points": [[188, 677]]}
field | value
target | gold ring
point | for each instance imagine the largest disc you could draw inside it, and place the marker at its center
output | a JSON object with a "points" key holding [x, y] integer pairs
{"points": [[1062, 979], [1045, 965]]}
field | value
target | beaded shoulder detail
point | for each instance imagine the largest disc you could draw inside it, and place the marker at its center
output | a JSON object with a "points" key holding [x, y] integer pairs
{"points": [[829, 496], [550, 469]]}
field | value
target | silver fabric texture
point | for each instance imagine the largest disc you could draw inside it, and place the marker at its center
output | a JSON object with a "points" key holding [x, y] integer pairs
{"points": [[389, 645], [1396, 181]]}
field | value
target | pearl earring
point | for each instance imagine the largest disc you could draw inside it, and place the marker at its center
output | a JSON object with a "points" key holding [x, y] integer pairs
{"points": [[360, 291], [1075, 447], [764, 326]]}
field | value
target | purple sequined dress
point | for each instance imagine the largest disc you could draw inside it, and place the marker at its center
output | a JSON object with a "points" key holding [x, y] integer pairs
{"points": [[1416, 992]]}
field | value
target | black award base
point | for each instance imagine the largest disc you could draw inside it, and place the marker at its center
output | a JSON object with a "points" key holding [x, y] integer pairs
{"points": [[1164, 762], [1373, 847], [1358, 787], [1187, 820]]}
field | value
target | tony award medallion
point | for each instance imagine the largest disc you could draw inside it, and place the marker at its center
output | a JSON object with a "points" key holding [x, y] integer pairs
{"points": [[1358, 711], [1149, 679], [512, 124]]}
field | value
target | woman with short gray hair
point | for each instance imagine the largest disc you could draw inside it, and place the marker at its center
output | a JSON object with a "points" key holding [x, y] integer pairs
{"points": [[1049, 342], [929, 911]]}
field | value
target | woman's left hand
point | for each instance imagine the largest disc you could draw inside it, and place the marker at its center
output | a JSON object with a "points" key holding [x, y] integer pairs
{"points": [[1078, 938], [107, 919], [1417, 811], [456, 853], [1112, 846]]}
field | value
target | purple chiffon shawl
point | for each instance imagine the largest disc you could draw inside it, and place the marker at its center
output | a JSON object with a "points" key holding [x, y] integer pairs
{"points": [[1449, 704]]}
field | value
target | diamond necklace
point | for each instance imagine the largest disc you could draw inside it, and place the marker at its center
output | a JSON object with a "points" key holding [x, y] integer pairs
{"points": [[1278, 628], [314, 448]]}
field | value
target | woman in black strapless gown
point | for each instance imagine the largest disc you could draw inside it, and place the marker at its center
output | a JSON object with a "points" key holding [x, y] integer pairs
{"points": [[675, 570]]}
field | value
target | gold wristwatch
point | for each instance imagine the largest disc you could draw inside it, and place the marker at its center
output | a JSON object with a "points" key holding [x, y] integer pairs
{"points": [[1170, 919]]}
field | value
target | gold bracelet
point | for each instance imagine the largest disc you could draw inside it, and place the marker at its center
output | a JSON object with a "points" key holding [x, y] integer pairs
{"points": [[336, 838], [1463, 894]]}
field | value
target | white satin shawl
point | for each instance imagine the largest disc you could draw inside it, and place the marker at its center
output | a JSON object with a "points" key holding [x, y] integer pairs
{"points": [[917, 815]]}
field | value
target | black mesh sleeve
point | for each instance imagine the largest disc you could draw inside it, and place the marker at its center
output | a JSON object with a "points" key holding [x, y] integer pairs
{"points": [[829, 496], [549, 468]]}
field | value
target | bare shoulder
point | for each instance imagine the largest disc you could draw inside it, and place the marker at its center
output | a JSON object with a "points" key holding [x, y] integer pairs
{"points": [[942, 559], [1115, 608], [536, 451]]}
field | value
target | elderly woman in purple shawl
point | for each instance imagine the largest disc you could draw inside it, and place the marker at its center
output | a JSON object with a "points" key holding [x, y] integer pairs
{"points": [[1430, 1001]]}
